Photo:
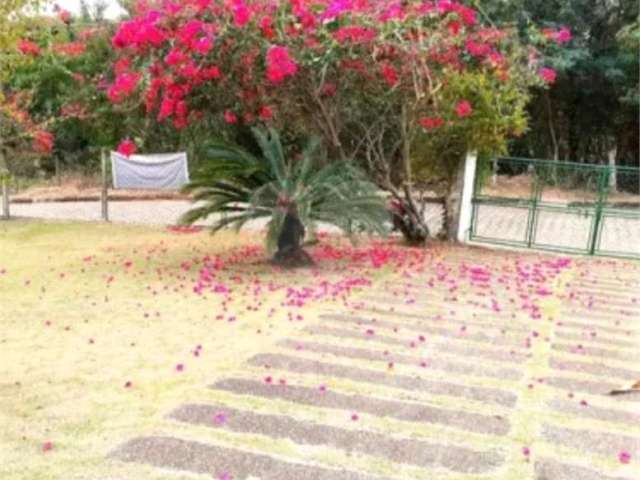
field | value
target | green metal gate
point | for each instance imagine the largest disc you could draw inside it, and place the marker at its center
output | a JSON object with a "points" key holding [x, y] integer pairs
{"points": [[560, 206]]}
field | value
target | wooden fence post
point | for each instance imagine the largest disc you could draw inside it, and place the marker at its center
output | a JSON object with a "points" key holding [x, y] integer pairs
{"points": [[104, 200]]}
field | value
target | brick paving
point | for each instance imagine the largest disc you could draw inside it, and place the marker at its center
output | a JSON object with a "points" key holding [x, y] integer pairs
{"points": [[419, 382]]}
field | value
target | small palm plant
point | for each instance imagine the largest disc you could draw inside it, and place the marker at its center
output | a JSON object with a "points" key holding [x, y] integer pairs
{"points": [[294, 194]]}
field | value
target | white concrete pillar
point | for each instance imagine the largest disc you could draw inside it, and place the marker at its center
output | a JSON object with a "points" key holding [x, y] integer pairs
{"points": [[466, 206]]}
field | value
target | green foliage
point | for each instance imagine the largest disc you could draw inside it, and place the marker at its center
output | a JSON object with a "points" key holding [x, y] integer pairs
{"points": [[593, 105], [242, 187]]}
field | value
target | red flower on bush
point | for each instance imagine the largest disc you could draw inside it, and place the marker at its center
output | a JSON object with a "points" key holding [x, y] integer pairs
{"points": [[464, 109], [431, 123], [230, 117], [124, 84], [127, 148], [266, 26], [389, 73], [266, 113], [280, 65], [29, 48], [43, 142], [71, 49]]}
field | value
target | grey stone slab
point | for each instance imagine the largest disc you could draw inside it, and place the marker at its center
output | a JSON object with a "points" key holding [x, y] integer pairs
{"points": [[303, 365], [399, 450], [464, 351], [411, 412], [597, 352], [583, 386], [586, 336], [470, 333], [548, 469], [188, 456], [597, 369], [614, 329], [589, 441], [432, 363], [480, 320], [588, 411]]}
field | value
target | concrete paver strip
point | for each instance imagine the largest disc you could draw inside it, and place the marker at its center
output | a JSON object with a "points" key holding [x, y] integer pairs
{"points": [[405, 450], [589, 441], [411, 412], [189, 456], [491, 354], [549, 469], [301, 365], [432, 362]]}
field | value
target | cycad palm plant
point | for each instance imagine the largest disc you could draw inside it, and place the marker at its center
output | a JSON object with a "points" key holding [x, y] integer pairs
{"points": [[294, 194]]}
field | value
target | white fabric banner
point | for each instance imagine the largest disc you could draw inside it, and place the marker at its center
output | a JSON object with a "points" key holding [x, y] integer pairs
{"points": [[166, 171]]}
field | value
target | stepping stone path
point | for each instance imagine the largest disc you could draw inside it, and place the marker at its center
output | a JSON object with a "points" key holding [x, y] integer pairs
{"points": [[503, 374]]}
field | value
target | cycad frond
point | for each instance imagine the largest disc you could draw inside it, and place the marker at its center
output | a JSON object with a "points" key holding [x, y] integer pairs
{"points": [[234, 181]]}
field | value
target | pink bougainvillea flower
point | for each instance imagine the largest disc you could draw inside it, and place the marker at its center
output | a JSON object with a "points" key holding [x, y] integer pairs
{"points": [[219, 419], [549, 75], [561, 36], [241, 14], [179, 367], [47, 446], [127, 148], [64, 15], [225, 476], [355, 34], [526, 451], [355, 417], [336, 8], [280, 65], [230, 117], [29, 48], [624, 457], [464, 109], [124, 84], [389, 74]]}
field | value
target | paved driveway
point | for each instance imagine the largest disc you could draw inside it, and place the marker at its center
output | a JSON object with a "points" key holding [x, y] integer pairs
{"points": [[152, 212]]}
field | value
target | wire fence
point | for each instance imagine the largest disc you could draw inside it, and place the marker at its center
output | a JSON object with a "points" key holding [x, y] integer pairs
{"points": [[562, 206]]}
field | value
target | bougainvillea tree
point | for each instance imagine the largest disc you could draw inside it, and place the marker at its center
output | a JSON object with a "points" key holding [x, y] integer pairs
{"points": [[390, 85]]}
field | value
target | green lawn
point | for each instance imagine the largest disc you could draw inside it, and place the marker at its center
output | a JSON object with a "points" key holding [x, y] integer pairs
{"points": [[78, 321]]}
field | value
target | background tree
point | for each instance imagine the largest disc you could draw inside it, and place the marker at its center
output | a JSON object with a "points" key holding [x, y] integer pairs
{"points": [[374, 79], [591, 112]]}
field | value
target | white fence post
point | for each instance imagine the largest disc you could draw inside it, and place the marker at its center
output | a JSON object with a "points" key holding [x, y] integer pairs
{"points": [[466, 205], [5, 198]]}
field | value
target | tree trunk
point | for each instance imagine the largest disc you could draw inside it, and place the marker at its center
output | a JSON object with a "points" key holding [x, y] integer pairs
{"points": [[452, 202], [290, 253], [410, 222]]}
